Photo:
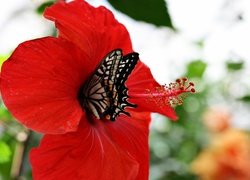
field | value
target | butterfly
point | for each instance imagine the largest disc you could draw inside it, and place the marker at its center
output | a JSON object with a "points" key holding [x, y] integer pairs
{"points": [[105, 93]]}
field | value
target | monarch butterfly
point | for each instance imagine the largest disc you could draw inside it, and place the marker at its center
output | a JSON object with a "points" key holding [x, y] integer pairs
{"points": [[105, 93]]}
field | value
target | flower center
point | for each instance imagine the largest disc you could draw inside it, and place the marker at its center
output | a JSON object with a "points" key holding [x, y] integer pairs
{"points": [[168, 95]]}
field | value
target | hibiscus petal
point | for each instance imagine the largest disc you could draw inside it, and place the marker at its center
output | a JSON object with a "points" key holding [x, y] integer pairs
{"points": [[89, 153], [82, 24], [141, 79], [40, 84], [132, 134], [94, 30]]}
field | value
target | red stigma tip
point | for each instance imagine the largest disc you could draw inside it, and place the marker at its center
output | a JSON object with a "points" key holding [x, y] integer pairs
{"points": [[172, 94], [178, 80], [191, 83], [184, 79]]}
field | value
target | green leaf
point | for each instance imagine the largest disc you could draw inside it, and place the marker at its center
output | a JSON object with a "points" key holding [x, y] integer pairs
{"points": [[42, 7], [3, 58], [4, 153], [196, 69], [150, 11], [4, 113], [244, 98], [235, 66]]}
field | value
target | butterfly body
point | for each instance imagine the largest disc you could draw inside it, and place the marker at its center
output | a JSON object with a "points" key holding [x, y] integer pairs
{"points": [[105, 94]]}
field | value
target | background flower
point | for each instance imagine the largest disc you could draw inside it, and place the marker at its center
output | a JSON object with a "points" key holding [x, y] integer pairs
{"points": [[227, 157], [217, 119]]}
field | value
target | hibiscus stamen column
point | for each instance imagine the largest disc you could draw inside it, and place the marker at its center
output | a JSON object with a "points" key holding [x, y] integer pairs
{"points": [[168, 95]]}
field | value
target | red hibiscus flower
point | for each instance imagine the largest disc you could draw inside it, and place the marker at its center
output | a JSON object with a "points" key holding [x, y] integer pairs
{"points": [[41, 83]]}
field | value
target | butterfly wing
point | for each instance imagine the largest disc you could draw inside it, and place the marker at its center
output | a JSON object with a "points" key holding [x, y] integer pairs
{"points": [[105, 94], [119, 92]]}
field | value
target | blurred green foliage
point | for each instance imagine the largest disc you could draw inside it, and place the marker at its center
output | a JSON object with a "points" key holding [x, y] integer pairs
{"points": [[40, 9], [3, 57], [196, 69], [154, 12], [245, 98], [235, 66], [4, 153], [180, 141]]}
